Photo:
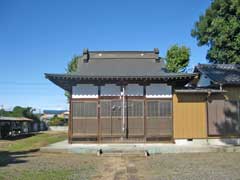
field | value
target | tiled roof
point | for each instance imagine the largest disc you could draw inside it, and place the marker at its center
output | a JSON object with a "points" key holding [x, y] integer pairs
{"points": [[225, 74], [66, 81], [120, 63], [54, 112], [116, 66]]}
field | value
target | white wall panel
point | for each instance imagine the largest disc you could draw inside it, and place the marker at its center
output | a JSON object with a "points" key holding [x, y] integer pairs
{"points": [[134, 90], [110, 90], [158, 91], [85, 91]]}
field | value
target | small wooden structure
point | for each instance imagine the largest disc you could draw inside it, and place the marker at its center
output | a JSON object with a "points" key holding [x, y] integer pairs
{"points": [[12, 126], [120, 96], [223, 110], [128, 96]]}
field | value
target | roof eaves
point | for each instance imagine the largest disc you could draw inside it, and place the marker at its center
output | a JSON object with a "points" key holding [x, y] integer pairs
{"points": [[200, 69], [199, 91], [167, 75]]}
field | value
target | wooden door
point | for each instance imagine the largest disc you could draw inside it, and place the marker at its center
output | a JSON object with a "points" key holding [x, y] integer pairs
{"points": [[135, 117], [216, 117], [159, 118], [111, 118], [84, 118], [223, 118]]}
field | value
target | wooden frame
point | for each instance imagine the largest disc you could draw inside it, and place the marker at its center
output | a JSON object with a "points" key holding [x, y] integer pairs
{"points": [[99, 137]]}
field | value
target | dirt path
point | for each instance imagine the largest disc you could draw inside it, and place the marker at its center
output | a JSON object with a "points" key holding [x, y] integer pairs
{"points": [[118, 168]]}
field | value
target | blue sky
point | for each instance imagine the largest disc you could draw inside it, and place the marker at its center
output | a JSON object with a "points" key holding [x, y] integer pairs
{"points": [[42, 36]]}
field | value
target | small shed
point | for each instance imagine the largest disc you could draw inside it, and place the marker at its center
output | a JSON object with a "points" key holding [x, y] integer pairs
{"points": [[11, 126]]}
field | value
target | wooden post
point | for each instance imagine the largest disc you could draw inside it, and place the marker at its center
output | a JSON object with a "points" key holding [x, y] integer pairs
{"points": [[70, 120]]}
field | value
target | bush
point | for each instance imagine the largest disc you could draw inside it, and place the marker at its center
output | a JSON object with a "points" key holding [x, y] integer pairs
{"points": [[57, 121]]}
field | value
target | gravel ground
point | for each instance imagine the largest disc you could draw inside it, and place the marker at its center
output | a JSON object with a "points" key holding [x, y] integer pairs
{"points": [[41, 166], [202, 166]]}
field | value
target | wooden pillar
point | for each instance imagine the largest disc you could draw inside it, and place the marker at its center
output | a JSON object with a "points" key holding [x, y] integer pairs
{"points": [[70, 131]]}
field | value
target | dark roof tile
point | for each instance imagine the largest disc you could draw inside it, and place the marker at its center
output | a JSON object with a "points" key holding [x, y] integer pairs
{"points": [[221, 73], [121, 63]]}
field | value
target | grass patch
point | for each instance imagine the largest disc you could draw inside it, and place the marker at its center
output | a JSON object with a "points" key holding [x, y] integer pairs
{"points": [[34, 142], [83, 172], [19, 162], [60, 174]]}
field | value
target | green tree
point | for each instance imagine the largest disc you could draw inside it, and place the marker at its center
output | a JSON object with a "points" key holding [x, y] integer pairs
{"points": [[71, 68], [19, 111], [177, 58], [72, 65], [219, 28]]}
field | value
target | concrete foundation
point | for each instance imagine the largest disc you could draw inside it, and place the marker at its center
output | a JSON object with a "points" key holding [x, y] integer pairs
{"points": [[224, 141], [191, 142], [212, 141], [131, 148]]}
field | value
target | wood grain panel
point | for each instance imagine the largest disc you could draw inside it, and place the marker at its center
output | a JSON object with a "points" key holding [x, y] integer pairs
{"points": [[232, 94], [189, 113]]}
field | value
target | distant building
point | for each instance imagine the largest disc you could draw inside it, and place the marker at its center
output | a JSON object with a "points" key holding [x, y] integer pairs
{"points": [[48, 114]]}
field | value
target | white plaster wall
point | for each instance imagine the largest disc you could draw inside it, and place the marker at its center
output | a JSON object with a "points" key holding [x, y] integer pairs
{"points": [[158, 91], [134, 90], [203, 81], [152, 91], [110, 90], [58, 128], [85, 91]]}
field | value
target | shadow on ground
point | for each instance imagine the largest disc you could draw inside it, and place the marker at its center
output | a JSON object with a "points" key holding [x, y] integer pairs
{"points": [[14, 138], [7, 157]]}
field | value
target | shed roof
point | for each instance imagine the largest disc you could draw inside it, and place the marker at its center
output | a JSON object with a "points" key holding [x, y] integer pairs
{"points": [[2, 118], [225, 74]]}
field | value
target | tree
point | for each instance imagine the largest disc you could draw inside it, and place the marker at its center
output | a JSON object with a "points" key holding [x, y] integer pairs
{"points": [[72, 65], [71, 68], [19, 111], [177, 58], [219, 28]]}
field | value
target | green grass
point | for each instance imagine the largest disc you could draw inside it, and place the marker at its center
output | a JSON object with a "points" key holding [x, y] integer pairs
{"points": [[18, 160], [59, 174], [33, 142], [83, 172]]}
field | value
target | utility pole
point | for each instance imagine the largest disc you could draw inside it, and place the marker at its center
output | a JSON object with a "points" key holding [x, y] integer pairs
{"points": [[123, 112]]}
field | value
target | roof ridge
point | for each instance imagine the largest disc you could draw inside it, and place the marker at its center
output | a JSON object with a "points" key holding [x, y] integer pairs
{"points": [[124, 51], [222, 66]]}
